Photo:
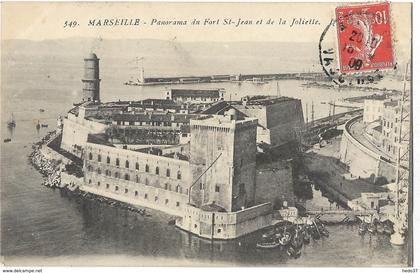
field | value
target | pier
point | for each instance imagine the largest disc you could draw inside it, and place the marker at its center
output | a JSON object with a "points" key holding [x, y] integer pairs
{"points": [[237, 78]]}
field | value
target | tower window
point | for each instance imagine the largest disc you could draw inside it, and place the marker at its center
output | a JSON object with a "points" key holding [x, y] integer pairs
{"points": [[136, 193], [126, 191], [127, 176], [146, 168], [116, 188], [178, 175], [145, 196], [117, 162], [127, 164], [99, 183], [217, 189], [99, 158], [108, 160], [99, 171], [157, 170], [137, 166], [90, 156], [168, 172], [107, 186]]}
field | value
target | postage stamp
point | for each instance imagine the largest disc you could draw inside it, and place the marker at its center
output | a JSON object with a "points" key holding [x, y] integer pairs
{"points": [[364, 38]]}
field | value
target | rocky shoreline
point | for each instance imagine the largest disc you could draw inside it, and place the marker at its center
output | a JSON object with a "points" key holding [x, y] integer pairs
{"points": [[49, 168]]}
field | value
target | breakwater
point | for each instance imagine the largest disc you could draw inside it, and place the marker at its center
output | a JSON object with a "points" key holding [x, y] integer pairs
{"points": [[49, 168]]}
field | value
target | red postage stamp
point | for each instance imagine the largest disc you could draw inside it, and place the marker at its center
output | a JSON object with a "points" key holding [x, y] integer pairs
{"points": [[364, 38]]}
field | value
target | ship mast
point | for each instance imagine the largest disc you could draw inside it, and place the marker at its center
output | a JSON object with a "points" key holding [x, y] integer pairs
{"points": [[402, 175]]}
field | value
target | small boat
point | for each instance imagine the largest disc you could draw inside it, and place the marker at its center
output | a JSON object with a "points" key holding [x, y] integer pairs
{"points": [[285, 239], [41, 110], [268, 245], [388, 229], [293, 252], [306, 237], [372, 228], [11, 123], [297, 240], [380, 228], [44, 125], [362, 228], [269, 234], [7, 140]]}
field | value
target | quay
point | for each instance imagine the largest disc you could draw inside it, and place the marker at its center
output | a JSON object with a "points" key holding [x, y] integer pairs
{"points": [[239, 78]]}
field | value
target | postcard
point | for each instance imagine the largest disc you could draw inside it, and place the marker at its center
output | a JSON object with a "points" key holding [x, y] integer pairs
{"points": [[206, 134]]}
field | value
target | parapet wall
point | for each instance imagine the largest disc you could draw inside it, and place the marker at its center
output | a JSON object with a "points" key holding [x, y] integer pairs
{"points": [[361, 160], [225, 225]]}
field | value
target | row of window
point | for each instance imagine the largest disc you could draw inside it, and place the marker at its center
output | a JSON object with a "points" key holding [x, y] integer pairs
{"points": [[137, 166], [167, 186], [136, 193]]}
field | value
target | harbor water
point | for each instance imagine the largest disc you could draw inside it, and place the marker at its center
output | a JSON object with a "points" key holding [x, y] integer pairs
{"points": [[40, 222]]}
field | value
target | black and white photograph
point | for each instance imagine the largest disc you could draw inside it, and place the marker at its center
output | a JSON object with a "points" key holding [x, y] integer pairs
{"points": [[168, 134]]}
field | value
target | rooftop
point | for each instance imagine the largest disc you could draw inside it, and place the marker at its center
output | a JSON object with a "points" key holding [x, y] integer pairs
{"points": [[213, 93]]}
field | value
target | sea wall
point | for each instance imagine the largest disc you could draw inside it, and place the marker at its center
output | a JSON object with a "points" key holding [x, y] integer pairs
{"points": [[363, 162]]}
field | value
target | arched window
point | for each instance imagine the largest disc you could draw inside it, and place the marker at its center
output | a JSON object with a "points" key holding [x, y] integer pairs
{"points": [[108, 160], [127, 164], [168, 172], [90, 156], [127, 176], [117, 162], [137, 166], [99, 158], [117, 175], [146, 168], [166, 186], [99, 171], [178, 175], [157, 170], [137, 179], [116, 188], [178, 188]]}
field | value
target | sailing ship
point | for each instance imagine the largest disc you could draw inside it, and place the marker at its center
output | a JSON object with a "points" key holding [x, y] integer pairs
{"points": [[11, 123]]}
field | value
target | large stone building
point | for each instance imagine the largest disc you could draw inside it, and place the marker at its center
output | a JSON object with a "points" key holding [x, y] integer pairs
{"points": [[135, 152], [280, 119]]}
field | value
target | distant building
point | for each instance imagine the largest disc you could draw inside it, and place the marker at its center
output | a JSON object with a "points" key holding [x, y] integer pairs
{"points": [[196, 95], [390, 132], [373, 109]]}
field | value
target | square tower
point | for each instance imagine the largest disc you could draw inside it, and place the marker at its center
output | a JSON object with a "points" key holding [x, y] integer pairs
{"points": [[223, 159]]}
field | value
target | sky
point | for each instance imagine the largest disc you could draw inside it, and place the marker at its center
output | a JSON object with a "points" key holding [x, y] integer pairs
{"points": [[41, 20]]}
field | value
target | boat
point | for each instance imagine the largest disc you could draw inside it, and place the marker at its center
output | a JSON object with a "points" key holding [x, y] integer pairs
{"points": [[388, 229], [7, 140], [268, 245], [11, 123], [44, 125], [297, 240], [293, 252], [269, 234], [285, 239], [371, 228], [380, 228], [41, 110], [362, 228], [306, 237]]}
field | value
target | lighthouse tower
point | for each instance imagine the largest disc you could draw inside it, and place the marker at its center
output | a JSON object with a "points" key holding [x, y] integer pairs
{"points": [[91, 79]]}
